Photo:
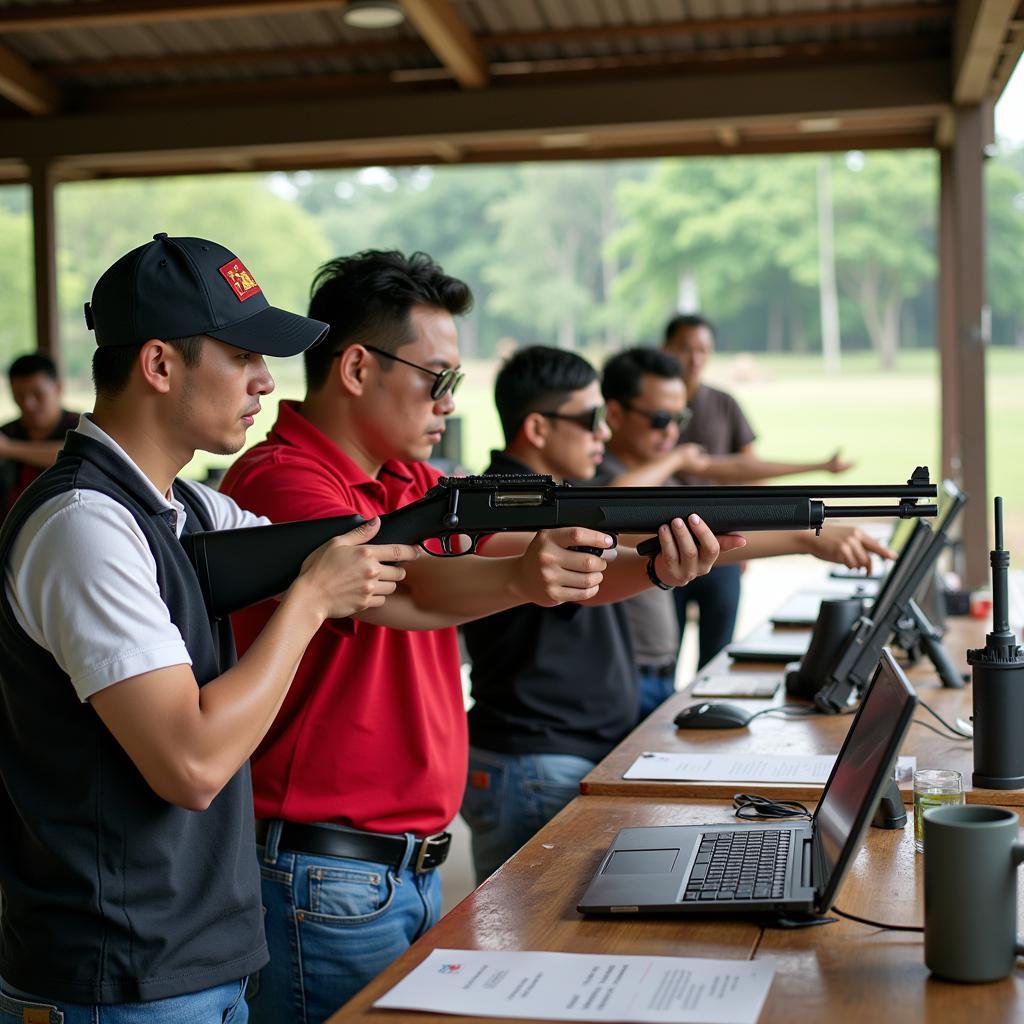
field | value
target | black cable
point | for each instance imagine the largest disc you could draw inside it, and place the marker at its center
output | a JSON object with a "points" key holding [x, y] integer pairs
{"points": [[938, 732], [752, 807], [787, 711], [797, 711], [878, 924], [952, 728]]}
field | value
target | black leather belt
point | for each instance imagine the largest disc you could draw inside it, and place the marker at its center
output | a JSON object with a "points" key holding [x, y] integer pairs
{"points": [[427, 854], [659, 671]]}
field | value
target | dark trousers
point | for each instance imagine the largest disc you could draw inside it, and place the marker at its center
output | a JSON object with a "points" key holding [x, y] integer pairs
{"points": [[717, 596]]}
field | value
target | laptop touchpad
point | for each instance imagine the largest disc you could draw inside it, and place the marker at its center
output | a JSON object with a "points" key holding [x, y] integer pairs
{"points": [[641, 862]]}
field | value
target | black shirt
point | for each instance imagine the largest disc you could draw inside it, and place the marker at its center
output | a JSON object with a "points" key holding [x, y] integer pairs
{"points": [[551, 680], [16, 476]]}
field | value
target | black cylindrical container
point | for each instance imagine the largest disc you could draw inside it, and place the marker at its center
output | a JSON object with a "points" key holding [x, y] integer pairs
{"points": [[998, 672], [998, 723]]}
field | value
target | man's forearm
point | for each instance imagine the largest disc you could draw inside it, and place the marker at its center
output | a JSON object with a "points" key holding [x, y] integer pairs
{"points": [[439, 592], [188, 741], [655, 472], [765, 545], [34, 453], [740, 469]]}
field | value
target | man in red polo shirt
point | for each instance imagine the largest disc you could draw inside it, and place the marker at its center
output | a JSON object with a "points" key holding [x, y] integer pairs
{"points": [[366, 762]]}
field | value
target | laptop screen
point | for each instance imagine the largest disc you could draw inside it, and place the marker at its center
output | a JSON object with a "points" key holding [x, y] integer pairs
{"points": [[914, 548], [860, 773], [859, 653]]}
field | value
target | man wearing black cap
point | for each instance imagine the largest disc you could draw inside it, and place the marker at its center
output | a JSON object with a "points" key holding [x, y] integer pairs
{"points": [[126, 864]]}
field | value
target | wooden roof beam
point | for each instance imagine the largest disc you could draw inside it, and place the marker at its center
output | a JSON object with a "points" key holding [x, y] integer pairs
{"points": [[890, 88], [450, 39], [150, 64], [45, 17], [748, 23], [24, 86], [979, 34]]}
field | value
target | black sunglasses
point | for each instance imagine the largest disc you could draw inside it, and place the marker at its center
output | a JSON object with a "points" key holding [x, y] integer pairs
{"points": [[591, 420], [445, 381], [659, 419]]}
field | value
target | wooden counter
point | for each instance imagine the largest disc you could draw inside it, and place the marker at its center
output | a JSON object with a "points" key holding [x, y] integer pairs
{"points": [[530, 903], [849, 971], [836, 972], [818, 734]]}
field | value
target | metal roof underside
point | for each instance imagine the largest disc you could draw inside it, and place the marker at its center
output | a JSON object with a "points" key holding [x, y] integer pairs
{"points": [[110, 87]]}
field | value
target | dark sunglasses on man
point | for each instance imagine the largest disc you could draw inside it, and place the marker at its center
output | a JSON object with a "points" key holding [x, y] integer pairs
{"points": [[445, 381], [659, 419], [591, 420]]}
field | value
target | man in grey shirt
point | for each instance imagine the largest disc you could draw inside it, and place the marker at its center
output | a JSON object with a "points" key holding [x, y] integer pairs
{"points": [[646, 396]]}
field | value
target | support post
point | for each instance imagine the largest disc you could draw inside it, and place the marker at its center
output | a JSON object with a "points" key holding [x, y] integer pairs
{"points": [[45, 260], [964, 328]]}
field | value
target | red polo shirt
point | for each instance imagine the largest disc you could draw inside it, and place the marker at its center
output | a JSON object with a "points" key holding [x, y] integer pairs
{"points": [[372, 733]]}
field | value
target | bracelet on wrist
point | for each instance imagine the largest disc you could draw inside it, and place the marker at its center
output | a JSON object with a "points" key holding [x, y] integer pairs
{"points": [[652, 575]]}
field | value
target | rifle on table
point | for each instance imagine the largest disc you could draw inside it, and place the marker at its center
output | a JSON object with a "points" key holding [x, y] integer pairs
{"points": [[237, 568]]}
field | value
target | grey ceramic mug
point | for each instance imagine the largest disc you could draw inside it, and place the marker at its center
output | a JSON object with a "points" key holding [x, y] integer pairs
{"points": [[971, 855]]}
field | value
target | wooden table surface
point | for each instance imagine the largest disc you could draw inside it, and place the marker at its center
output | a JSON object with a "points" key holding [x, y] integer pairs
{"points": [[848, 971], [818, 734], [837, 972], [530, 902]]}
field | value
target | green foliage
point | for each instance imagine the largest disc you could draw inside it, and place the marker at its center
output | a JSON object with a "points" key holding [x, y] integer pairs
{"points": [[1004, 195], [587, 255], [279, 242], [17, 322]]}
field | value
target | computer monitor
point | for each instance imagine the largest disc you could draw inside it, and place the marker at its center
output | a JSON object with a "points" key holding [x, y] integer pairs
{"points": [[859, 653]]}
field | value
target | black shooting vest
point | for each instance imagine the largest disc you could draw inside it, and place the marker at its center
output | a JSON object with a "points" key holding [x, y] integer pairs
{"points": [[111, 894]]}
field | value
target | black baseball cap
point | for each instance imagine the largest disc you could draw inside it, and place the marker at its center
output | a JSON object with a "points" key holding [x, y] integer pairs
{"points": [[181, 287]]}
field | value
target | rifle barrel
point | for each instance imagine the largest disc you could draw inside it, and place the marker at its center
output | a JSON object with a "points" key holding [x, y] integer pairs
{"points": [[872, 511]]}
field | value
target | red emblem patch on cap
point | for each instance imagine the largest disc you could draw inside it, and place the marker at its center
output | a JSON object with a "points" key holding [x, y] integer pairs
{"points": [[243, 284]]}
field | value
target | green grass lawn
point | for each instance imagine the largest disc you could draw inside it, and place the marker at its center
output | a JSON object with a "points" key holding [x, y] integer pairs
{"points": [[888, 422]]}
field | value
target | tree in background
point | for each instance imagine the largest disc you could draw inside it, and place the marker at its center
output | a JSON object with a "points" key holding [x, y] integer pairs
{"points": [[582, 254], [886, 210], [442, 211], [17, 323], [728, 223], [279, 242], [1004, 221], [551, 273]]}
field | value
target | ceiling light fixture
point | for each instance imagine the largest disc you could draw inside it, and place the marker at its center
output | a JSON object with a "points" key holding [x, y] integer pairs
{"points": [[373, 14]]}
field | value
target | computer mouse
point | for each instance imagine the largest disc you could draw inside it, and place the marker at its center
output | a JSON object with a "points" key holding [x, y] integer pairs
{"points": [[713, 716]]}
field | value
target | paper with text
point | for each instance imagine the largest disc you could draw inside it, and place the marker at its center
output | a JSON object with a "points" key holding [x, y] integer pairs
{"points": [[581, 986], [758, 769]]}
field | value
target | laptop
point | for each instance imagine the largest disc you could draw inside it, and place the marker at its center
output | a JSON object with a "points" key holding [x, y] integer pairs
{"points": [[780, 646], [755, 868], [801, 609]]}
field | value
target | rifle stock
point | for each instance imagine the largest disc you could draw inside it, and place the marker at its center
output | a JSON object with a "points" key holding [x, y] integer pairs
{"points": [[237, 568]]}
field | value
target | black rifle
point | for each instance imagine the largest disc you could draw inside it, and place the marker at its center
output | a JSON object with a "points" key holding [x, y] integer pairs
{"points": [[236, 568]]}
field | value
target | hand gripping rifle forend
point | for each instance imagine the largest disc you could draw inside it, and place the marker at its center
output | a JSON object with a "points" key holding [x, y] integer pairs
{"points": [[236, 568]]}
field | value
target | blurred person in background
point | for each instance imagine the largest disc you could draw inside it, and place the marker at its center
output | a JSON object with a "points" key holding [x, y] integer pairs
{"points": [[646, 398], [718, 425], [29, 444]]}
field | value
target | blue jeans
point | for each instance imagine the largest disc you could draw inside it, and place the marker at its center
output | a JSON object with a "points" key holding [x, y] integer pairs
{"points": [[333, 924], [717, 596], [655, 689], [221, 1005], [510, 797]]}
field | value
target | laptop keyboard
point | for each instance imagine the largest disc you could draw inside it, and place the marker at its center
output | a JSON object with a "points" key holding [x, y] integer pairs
{"points": [[739, 866]]}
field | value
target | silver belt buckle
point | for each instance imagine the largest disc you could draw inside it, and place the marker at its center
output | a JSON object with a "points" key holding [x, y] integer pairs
{"points": [[425, 844]]}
